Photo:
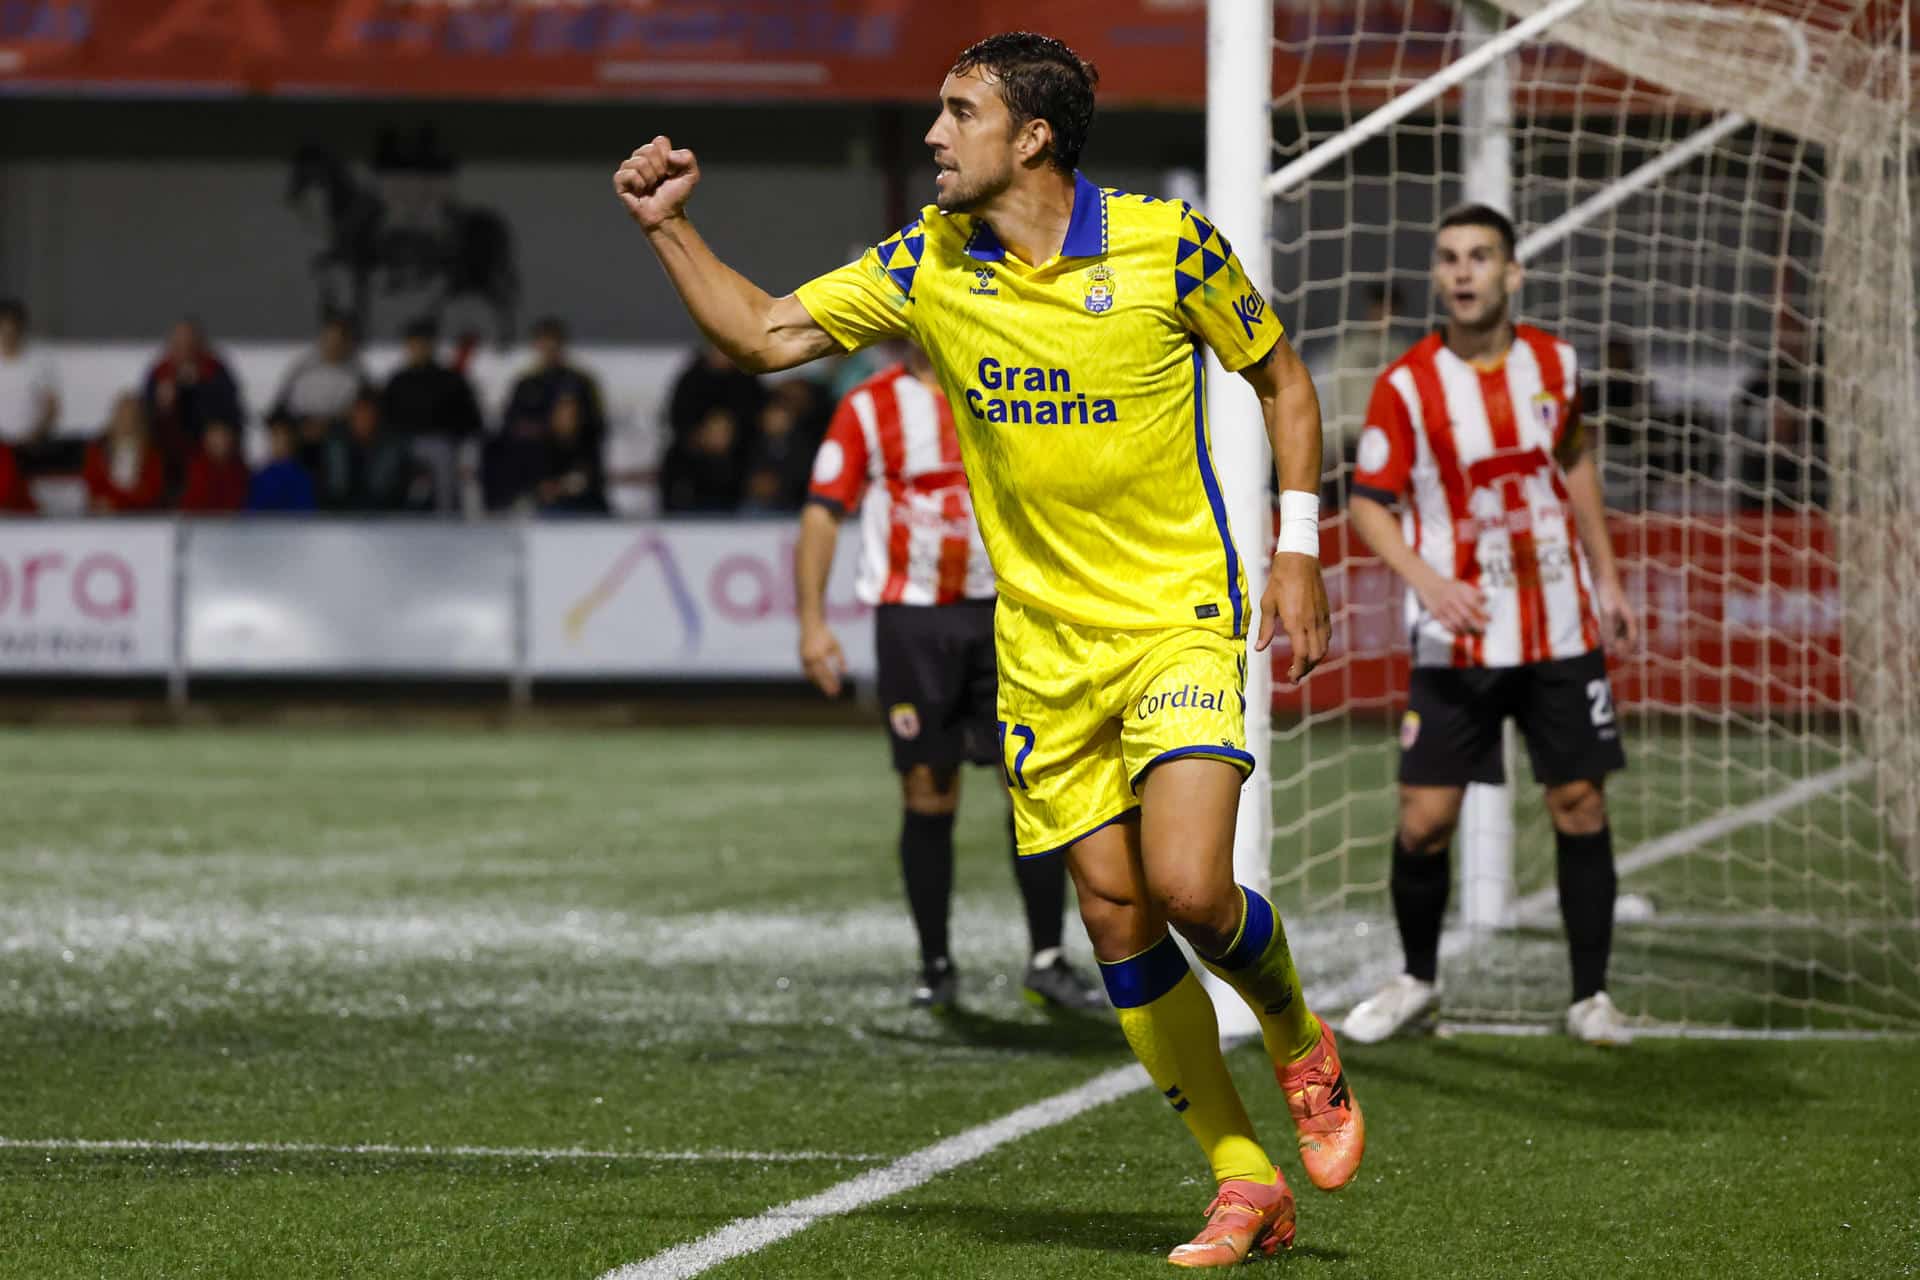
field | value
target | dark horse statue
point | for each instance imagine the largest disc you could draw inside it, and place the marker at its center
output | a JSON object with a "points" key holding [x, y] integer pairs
{"points": [[469, 255]]}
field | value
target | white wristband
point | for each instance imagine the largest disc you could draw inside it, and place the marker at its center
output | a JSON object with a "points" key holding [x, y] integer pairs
{"points": [[1299, 523]]}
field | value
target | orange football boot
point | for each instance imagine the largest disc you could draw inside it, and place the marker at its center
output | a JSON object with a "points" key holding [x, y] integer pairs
{"points": [[1333, 1135], [1243, 1217]]}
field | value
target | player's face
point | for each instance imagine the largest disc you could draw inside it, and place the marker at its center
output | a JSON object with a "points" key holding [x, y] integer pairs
{"points": [[973, 144], [1474, 276]]}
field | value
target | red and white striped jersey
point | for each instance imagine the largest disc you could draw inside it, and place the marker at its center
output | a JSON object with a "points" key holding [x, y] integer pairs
{"points": [[1471, 450], [892, 451]]}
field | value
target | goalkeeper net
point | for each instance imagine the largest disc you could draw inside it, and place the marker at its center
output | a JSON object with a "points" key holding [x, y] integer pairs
{"points": [[1714, 201]]}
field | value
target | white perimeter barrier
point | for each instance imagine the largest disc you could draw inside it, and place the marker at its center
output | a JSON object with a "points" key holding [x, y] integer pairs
{"points": [[520, 601]]}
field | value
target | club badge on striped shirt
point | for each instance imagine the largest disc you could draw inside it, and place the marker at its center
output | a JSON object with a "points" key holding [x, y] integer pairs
{"points": [[1546, 406]]}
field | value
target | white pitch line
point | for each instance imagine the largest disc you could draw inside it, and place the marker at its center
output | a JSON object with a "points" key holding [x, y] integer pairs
{"points": [[385, 1149], [749, 1235], [1460, 941], [1677, 1031]]}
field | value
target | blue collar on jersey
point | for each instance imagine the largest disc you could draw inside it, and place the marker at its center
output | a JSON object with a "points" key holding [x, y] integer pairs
{"points": [[1086, 227]]}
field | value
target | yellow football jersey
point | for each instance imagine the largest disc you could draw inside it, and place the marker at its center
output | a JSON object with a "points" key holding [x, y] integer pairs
{"points": [[1078, 390]]}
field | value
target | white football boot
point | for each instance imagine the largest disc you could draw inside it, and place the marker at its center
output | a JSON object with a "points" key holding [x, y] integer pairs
{"points": [[1595, 1020], [1404, 1003]]}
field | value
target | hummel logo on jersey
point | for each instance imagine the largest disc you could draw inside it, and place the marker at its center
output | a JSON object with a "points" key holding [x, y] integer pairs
{"points": [[983, 283], [1249, 308]]}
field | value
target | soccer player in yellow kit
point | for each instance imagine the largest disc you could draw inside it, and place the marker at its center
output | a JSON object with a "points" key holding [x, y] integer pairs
{"points": [[1065, 322]]}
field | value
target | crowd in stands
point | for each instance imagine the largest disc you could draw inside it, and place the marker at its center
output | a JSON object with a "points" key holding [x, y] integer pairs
{"points": [[336, 440]]}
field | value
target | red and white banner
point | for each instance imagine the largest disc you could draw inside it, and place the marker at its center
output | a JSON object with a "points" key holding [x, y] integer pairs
{"points": [[1738, 613], [693, 600], [93, 597], [1148, 51]]}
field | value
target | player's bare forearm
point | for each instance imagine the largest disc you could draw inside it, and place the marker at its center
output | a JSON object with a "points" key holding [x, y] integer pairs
{"points": [[1379, 528], [813, 563], [1295, 597], [1590, 515], [1618, 621], [757, 331], [1291, 407], [1458, 606], [820, 654]]}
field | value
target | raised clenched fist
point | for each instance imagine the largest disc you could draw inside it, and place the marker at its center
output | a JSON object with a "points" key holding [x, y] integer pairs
{"points": [[655, 182]]}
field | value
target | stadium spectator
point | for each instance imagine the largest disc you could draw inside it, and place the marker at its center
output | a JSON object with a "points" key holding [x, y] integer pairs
{"points": [[432, 407], [186, 388], [710, 381], [780, 456], [217, 479], [29, 385], [364, 468], [1781, 413], [124, 471], [1365, 347], [553, 375], [702, 474], [322, 384], [574, 479], [283, 485], [15, 497]]}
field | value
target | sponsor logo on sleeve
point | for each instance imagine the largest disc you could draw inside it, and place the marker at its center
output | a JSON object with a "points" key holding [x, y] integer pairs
{"points": [[1250, 309], [1374, 450]]}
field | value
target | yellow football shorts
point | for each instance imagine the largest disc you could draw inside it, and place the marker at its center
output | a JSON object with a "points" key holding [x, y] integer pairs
{"points": [[1085, 711]]}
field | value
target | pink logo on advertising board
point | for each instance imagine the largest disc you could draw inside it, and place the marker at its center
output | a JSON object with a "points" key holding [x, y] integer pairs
{"points": [[99, 587]]}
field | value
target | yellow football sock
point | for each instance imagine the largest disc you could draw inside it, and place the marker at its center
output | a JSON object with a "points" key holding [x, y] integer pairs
{"points": [[1170, 1026], [1259, 965]]}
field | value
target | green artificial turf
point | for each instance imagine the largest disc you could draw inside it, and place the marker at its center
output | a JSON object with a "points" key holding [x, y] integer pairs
{"points": [[686, 949]]}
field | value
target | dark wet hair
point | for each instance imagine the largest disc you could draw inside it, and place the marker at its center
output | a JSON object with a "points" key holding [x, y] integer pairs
{"points": [[1039, 79]]}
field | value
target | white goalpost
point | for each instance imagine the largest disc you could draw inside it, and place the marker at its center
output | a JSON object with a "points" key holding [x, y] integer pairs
{"points": [[1714, 202]]}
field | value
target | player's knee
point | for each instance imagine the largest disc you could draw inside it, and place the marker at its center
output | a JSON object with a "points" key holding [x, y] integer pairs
{"points": [[1117, 926], [1577, 808], [1427, 828], [929, 790], [1205, 909]]}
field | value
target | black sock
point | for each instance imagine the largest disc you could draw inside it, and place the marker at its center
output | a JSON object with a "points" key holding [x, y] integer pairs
{"points": [[926, 863], [1420, 884], [1587, 887], [1043, 892]]}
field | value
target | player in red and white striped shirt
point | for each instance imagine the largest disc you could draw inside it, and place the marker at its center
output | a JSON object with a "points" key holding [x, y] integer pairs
{"points": [[1502, 540], [892, 454]]}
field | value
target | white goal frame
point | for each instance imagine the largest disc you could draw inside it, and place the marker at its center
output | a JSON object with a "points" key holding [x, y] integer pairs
{"points": [[1241, 188]]}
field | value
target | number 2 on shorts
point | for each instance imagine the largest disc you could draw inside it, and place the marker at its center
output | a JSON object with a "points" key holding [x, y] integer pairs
{"points": [[1601, 698], [1016, 776]]}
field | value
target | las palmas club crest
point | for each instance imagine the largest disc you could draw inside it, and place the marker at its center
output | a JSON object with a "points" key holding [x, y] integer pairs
{"points": [[1100, 288]]}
